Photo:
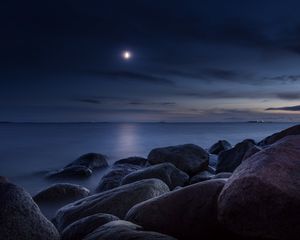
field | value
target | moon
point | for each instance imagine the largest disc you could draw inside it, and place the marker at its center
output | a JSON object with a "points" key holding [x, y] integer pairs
{"points": [[126, 55]]}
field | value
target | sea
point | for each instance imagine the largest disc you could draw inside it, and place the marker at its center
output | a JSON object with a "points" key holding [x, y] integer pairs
{"points": [[29, 150]]}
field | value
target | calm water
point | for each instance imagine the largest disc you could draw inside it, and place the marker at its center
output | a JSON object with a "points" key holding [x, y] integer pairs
{"points": [[28, 150]]}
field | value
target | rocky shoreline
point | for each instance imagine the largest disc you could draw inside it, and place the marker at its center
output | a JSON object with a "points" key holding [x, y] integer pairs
{"points": [[248, 191]]}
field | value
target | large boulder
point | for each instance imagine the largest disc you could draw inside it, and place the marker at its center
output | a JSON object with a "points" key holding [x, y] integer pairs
{"points": [[262, 197], [61, 192], [221, 145], [187, 213], [20, 217], [143, 162], [295, 130], [166, 172], [189, 158], [251, 151], [229, 160], [116, 201], [200, 177], [90, 160], [123, 230], [114, 177], [72, 171], [79, 229]]}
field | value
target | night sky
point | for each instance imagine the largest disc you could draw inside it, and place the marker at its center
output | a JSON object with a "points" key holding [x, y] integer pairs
{"points": [[227, 60]]}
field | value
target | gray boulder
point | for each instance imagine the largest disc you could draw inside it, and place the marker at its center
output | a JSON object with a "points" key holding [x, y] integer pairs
{"points": [[20, 217], [189, 158], [262, 197], [229, 160], [200, 177], [116, 201], [72, 171], [295, 130], [123, 230], [219, 146], [90, 160], [187, 213], [166, 172], [61, 192], [84, 226], [254, 149], [114, 177], [143, 162]]}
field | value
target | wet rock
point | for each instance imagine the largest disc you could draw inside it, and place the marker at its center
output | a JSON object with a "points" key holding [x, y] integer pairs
{"points": [[189, 158], [166, 172], [73, 171], [222, 175], [20, 217], [200, 177], [116, 201], [262, 197], [143, 162], [254, 149], [219, 146], [90, 160]]}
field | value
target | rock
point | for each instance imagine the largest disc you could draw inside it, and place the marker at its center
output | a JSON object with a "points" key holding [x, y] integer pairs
{"points": [[116, 201], [90, 160], [219, 146], [61, 192], [166, 172], [143, 162], [114, 177], [73, 171], [187, 213], [189, 158], [262, 197], [229, 160], [20, 217], [295, 130], [254, 149], [84, 226], [200, 177], [123, 230], [222, 175]]}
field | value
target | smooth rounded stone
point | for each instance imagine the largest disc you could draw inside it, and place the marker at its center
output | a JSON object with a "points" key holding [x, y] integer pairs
{"points": [[90, 160], [61, 192], [262, 197], [73, 171], [143, 162], [123, 230], [84, 226], [221, 145], [200, 177], [189, 158], [187, 213], [20, 217], [229, 160], [222, 175], [295, 130], [166, 172], [116, 201], [114, 177], [254, 149]]}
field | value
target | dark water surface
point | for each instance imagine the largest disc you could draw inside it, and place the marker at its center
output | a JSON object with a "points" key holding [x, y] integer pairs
{"points": [[28, 150]]}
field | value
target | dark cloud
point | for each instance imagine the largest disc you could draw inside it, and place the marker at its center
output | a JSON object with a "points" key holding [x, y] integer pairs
{"points": [[291, 108]]}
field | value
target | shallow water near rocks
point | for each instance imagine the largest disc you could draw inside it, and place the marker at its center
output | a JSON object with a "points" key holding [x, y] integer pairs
{"points": [[28, 151]]}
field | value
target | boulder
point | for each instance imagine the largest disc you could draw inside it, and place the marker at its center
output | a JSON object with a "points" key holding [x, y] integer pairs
{"points": [[262, 197], [20, 217], [114, 177], [61, 192], [295, 130], [84, 226], [123, 230], [189, 158], [187, 213], [219, 146], [229, 160], [200, 177], [222, 175], [254, 149], [143, 162], [72, 171], [116, 201], [90, 160], [166, 172]]}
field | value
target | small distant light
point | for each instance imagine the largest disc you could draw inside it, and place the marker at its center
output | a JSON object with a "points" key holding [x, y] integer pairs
{"points": [[126, 55]]}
